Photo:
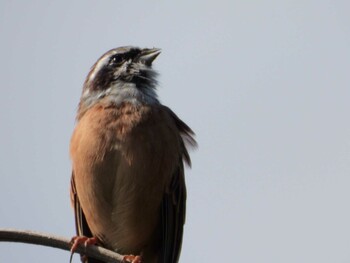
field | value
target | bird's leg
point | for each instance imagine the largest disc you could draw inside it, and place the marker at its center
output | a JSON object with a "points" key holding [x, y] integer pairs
{"points": [[132, 259], [78, 240]]}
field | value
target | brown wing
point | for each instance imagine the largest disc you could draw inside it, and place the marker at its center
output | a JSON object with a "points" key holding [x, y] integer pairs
{"points": [[81, 226], [173, 217], [174, 201]]}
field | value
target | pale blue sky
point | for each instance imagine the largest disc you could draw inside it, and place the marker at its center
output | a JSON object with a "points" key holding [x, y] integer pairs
{"points": [[264, 84]]}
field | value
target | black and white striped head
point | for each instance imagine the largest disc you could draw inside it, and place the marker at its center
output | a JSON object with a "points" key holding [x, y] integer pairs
{"points": [[122, 74]]}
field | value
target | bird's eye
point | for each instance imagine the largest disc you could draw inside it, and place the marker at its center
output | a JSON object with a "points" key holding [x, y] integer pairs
{"points": [[116, 59]]}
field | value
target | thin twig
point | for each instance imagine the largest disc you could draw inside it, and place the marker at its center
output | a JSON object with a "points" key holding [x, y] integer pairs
{"points": [[30, 237]]}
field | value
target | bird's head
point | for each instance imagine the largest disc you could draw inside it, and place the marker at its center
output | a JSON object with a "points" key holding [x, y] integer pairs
{"points": [[122, 74]]}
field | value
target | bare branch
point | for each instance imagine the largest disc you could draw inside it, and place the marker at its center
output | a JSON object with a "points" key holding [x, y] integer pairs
{"points": [[30, 237]]}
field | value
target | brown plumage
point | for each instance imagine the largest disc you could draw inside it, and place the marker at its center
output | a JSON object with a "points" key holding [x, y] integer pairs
{"points": [[128, 187]]}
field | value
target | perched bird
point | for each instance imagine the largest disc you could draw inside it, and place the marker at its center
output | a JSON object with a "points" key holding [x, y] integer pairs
{"points": [[128, 187]]}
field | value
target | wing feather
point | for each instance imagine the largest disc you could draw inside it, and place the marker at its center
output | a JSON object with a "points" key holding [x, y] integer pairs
{"points": [[81, 226], [174, 201]]}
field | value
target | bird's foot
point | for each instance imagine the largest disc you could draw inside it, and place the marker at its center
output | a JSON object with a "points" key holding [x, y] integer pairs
{"points": [[78, 240], [132, 259]]}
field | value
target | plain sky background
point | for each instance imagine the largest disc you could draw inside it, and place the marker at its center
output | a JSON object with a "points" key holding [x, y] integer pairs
{"points": [[264, 84]]}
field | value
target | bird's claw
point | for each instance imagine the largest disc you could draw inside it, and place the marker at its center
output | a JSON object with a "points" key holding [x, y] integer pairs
{"points": [[78, 240], [132, 259]]}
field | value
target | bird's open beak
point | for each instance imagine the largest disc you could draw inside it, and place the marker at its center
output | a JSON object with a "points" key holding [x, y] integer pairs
{"points": [[147, 55]]}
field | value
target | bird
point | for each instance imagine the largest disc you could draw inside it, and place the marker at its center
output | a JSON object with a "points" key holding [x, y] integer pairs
{"points": [[128, 153]]}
